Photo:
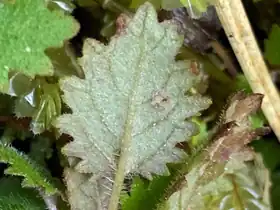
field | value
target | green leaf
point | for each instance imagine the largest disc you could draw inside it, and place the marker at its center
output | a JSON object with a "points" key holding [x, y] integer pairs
{"points": [[202, 136], [272, 46], [30, 30], [158, 4], [145, 194], [14, 197], [134, 96], [241, 84], [139, 190], [168, 5], [38, 99], [34, 176], [137, 3], [196, 7]]}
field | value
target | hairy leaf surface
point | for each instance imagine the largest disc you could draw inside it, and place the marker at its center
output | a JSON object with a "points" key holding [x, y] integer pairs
{"points": [[221, 179], [22, 166], [236, 189], [133, 99], [27, 28]]}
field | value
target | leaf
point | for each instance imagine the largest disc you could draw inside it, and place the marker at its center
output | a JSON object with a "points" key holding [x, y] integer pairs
{"points": [[30, 30], [138, 3], [202, 136], [21, 166], [196, 7], [269, 148], [168, 5], [158, 4], [226, 155], [241, 84], [138, 193], [14, 197], [80, 191], [235, 190], [133, 100], [38, 99], [272, 46], [145, 194]]}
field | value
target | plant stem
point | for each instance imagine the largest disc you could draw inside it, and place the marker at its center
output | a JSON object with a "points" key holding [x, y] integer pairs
{"points": [[124, 155], [239, 32]]}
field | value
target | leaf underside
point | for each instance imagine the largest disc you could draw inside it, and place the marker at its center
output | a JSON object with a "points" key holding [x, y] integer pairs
{"points": [[133, 98]]}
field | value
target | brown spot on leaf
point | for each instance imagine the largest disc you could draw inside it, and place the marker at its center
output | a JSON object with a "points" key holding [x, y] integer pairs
{"points": [[194, 67], [236, 130], [121, 23], [160, 99]]}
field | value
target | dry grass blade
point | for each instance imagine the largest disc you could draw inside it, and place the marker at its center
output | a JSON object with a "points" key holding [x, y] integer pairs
{"points": [[239, 32]]}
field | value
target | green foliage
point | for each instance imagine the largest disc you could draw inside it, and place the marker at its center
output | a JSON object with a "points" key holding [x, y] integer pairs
{"points": [[165, 4], [272, 46], [139, 99], [241, 83], [36, 98], [270, 150], [14, 197], [21, 165], [145, 193], [30, 30], [196, 7], [202, 136], [235, 189], [132, 101], [137, 3]]}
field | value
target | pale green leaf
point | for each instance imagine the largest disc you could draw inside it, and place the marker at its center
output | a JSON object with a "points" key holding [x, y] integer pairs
{"points": [[27, 28], [133, 99], [220, 177], [235, 189], [85, 194]]}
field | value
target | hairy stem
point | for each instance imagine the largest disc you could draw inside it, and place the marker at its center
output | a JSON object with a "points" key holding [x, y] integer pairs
{"points": [[120, 174], [239, 32]]}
